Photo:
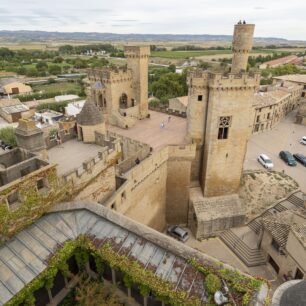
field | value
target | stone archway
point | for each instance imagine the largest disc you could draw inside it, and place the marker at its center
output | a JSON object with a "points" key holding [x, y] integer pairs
{"points": [[123, 101]]}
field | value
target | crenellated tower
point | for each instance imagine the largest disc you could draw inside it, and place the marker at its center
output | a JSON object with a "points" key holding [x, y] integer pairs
{"points": [[242, 45], [219, 122], [138, 62]]}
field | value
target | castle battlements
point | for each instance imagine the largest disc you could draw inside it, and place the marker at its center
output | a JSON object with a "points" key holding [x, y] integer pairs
{"points": [[137, 51], [110, 75], [203, 79]]}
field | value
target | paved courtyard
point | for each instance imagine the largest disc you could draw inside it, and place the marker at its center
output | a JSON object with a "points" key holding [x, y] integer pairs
{"points": [[72, 154], [149, 130], [285, 136]]}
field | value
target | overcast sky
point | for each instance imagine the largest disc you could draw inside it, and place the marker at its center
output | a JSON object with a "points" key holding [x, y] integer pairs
{"points": [[273, 18]]}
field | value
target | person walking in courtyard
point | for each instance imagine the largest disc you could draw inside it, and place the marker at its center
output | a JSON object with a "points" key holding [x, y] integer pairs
{"points": [[169, 118]]}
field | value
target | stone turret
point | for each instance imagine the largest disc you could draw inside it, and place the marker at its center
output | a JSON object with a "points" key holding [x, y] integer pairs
{"points": [[89, 121], [30, 137], [242, 44], [137, 61]]}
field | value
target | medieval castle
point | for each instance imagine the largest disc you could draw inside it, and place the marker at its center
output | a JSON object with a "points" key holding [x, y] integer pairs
{"points": [[193, 181]]}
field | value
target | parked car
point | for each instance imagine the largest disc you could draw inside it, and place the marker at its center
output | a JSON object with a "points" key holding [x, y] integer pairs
{"points": [[300, 158], [178, 232], [5, 146], [303, 140], [288, 158], [265, 161]]}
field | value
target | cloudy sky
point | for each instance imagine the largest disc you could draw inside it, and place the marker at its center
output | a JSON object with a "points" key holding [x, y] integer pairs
{"points": [[273, 18]]}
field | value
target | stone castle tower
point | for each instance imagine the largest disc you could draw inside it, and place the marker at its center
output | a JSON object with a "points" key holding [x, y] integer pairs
{"points": [[219, 119], [242, 45], [138, 62]]}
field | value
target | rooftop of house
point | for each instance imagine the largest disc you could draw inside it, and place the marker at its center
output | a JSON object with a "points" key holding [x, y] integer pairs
{"points": [[282, 60], [183, 100], [298, 78], [26, 255], [281, 223], [11, 106], [267, 98], [149, 130]]}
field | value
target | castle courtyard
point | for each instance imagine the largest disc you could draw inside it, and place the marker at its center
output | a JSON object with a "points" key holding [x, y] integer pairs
{"points": [[285, 136], [72, 154], [149, 130]]}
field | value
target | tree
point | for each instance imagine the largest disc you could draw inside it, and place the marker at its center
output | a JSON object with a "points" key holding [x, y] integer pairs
{"points": [[32, 72], [93, 293], [55, 69], [172, 68], [58, 60], [41, 66]]}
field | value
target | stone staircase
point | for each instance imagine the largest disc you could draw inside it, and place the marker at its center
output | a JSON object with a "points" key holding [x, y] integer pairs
{"points": [[250, 257], [297, 201], [294, 199]]}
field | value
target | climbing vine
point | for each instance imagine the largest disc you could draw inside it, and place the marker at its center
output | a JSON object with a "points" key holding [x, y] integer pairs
{"points": [[243, 285]]}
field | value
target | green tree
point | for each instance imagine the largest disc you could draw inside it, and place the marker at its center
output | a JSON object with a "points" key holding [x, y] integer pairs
{"points": [[55, 69], [93, 293], [41, 66], [172, 68]]}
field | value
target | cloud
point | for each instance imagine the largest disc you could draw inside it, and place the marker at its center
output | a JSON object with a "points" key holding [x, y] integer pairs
{"points": [[286, 19]]}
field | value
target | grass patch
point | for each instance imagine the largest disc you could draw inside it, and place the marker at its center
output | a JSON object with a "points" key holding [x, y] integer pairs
{"points": [[58, 87]]}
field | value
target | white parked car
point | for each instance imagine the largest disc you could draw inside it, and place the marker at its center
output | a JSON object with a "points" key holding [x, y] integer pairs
{"points": [[303, 140], [265, 161]]}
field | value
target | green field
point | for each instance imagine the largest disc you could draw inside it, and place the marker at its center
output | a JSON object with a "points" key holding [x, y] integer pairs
{"points": [[187, 54], [57, 87]]}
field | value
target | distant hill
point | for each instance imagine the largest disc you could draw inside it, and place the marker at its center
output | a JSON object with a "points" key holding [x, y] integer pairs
{"points": [[37, 36]]}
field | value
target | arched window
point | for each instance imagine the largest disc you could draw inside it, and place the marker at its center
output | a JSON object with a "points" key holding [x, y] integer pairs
{"points": [[123, 101]]}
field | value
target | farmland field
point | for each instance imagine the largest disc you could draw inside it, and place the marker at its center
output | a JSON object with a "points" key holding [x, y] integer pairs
{"points": [[57, 87]]}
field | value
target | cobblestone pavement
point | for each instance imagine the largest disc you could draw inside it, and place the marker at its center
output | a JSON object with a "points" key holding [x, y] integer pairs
{"points": [[285, 136]]}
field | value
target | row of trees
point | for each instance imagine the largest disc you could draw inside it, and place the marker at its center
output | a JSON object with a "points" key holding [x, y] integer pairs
{"points": [[69, 49], [165, 84]]}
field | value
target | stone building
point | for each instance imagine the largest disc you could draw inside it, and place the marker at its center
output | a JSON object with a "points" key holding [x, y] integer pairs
{"points": [[122, 93], [271, 106], [219, 115], [283, 241], [299, 79], [30, 137], [178, 105], [12, 110], [89, 121], [301, 113]]}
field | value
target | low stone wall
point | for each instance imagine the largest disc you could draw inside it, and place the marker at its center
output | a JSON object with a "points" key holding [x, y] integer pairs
{"points": [[65, 135], [131, 150]]}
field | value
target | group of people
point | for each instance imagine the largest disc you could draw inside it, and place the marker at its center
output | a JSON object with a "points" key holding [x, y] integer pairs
{"points": [[162, 125]]}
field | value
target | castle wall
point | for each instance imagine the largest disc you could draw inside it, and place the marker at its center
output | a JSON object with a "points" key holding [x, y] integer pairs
{"points": [[156, 191], [178, 183], [101, 187], [143, 196]]}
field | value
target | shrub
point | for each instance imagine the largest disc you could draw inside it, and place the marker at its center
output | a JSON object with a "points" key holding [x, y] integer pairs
{"points": [[212, 283], [7, 135]]}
